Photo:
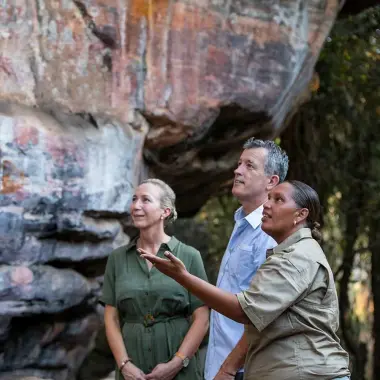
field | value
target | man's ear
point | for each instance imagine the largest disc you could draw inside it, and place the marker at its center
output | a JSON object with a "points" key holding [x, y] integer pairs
{"points": [[273, 182]]}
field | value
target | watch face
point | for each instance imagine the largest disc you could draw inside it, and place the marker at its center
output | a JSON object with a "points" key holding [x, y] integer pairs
{"points": [[186, 362]]}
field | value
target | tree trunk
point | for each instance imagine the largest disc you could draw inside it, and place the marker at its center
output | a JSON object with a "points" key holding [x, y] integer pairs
{"points": [[358, 351]]}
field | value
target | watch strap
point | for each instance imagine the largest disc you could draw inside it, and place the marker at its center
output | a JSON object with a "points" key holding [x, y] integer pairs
{"points": [[122, 365], [181, 356]]}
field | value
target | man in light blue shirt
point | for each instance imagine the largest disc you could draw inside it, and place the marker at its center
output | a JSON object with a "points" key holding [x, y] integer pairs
{"points": [[262, 165]]}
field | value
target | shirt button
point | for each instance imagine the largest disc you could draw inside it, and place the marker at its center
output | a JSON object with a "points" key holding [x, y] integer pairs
{"points": [[149, 349], [146, 293], [148, 330]]}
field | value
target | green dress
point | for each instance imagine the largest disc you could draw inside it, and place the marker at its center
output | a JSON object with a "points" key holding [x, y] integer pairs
{"points": [[154, 310]]}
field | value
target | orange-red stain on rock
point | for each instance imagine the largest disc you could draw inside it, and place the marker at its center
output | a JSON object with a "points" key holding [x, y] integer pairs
{"points": [[139, 9], [190, 17], [12, 179]]}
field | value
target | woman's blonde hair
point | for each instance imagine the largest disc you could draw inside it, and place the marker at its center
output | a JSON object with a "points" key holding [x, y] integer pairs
{"points": [[167, 198]]}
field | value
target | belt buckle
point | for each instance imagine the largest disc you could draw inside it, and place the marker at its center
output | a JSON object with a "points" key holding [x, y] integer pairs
{"points": [[148, 320]]}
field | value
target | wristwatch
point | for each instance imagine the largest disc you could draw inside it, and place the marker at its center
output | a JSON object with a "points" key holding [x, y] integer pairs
{"points": [[185, 359]]}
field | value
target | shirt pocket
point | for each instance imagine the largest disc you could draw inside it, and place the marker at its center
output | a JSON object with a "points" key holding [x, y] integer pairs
{"points": [[245, 265], [245, 255]]}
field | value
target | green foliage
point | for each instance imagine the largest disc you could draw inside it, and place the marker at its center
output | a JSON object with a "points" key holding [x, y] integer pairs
{"points": [[346, 108], [218, 215]]}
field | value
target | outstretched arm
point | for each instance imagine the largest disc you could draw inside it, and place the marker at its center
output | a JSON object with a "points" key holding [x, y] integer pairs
{"points": [[223, 302]]}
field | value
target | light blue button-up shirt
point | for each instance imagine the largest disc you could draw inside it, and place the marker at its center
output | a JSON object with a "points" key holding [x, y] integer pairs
{"points": [[245, 252]]}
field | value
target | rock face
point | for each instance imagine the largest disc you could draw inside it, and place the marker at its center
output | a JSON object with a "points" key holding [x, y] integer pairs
{"points": [[66, 185], [94, 96]]}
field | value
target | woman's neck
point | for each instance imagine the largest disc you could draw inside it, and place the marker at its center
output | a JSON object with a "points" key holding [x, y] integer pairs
{"points": [[151, 240], [279, 239]]}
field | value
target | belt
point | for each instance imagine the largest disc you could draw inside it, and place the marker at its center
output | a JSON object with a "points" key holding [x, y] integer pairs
{"points": [[149, 320]]}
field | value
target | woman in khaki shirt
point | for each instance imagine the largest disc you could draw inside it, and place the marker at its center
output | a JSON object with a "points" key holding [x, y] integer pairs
{"points": [[291, 308]]}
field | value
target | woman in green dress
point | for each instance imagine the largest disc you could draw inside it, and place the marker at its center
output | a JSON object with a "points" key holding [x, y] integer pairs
{"points": [[154, 326]]}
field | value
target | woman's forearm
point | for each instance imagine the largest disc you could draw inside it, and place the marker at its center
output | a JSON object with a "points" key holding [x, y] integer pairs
{"points": [[196, 333], [113, 333], [223, 302]]}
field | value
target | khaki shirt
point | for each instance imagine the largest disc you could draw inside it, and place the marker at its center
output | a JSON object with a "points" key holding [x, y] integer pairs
{"points": [[293, 306]]}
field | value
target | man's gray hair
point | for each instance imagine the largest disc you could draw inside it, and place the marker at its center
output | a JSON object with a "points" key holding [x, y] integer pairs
{"points": [[277, 162]]}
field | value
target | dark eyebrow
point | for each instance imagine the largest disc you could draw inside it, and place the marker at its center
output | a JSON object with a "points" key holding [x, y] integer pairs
{"points": [[277, 193]]}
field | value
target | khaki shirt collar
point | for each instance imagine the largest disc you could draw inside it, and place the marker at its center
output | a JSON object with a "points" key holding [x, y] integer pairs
{"points": [[171, 244], [302, 233]]}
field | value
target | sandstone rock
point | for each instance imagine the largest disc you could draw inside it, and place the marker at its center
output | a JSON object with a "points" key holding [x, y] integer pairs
{"points": [[59, 342], [66, 188], [42, 289], [87, 88], [205, 74], [66, 185]]}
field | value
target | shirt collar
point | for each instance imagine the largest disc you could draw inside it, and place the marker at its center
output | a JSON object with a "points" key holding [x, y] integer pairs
{"points": [[171, 244], [302, 233], [253, 218]]}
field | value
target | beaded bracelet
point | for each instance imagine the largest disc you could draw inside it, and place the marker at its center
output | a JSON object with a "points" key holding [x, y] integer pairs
{"points": [[124, 363]]}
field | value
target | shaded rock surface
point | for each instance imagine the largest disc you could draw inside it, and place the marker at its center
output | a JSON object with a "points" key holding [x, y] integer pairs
{"points": [[96, 95]]}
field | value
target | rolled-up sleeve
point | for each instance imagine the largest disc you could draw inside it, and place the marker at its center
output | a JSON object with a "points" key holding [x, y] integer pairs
{"points": [[276, 286]]}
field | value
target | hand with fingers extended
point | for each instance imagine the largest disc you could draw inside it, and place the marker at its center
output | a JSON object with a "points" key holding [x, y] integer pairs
{"points": [[165, 371], [171, 266], [131, 372]]}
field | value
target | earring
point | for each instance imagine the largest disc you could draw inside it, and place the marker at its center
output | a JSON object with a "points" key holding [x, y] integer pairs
{"points": [[162, 217], [294, 223]]}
